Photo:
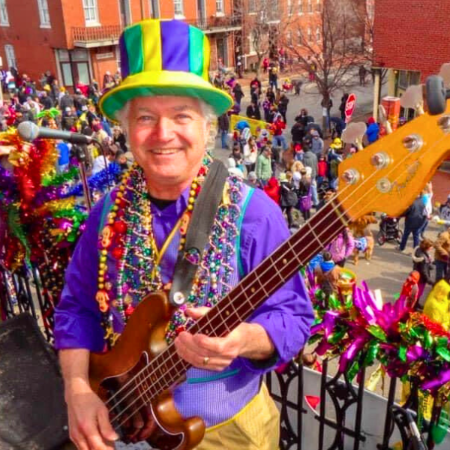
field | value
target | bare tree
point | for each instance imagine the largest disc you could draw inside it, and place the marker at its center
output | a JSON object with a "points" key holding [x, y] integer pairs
{"points": [[262, 20], [331, 52]]}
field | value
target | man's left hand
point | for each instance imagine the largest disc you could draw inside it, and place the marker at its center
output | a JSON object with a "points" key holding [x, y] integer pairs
{"points": [[217, 353]]}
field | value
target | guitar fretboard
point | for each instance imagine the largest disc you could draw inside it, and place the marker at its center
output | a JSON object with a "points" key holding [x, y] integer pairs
{"points": [[168, 368]]}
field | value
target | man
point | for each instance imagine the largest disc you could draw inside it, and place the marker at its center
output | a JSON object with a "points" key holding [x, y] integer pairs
{"points": [[317, 144], [238, 93], [167, 135], [415, 217], [253, 111], [442, 254], [264, 166], [224, 128], [310, 160]]}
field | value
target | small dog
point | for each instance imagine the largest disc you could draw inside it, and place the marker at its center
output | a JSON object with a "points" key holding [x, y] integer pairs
{"points": [[365, 245], [364, 241]]}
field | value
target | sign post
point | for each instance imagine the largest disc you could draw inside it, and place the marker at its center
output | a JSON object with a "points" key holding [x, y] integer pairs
{"points": [[350, 107]]}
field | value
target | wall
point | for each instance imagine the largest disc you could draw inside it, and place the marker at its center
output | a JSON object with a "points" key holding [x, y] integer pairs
{"points": [[33, 45], [415, 37]]}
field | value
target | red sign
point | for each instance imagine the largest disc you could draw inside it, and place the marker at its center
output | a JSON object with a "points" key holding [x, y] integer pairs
{"points": [[350, 107]]}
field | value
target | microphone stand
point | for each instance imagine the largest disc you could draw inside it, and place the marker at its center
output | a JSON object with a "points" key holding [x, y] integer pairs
{"points": [[80, 153]]}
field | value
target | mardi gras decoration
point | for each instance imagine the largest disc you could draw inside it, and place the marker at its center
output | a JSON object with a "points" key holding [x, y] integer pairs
{"points": [[41, 208], [361, 330]]}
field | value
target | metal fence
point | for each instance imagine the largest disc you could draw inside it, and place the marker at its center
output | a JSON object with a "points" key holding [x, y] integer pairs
{"points": [[339, 416]]}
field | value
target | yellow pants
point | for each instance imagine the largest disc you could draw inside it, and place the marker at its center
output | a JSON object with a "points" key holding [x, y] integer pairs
{"points": [[255, 427]]}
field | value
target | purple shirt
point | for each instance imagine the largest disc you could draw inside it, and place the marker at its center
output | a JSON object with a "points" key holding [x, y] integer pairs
{"points": [[286, 315]]}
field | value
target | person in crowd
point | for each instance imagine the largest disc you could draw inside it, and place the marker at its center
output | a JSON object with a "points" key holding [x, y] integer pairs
{"points": [[310, 160], [283, 106], [265, 64], [362, 75], [279, 125], [342, 247], [288, 198], [304, 193], [442, 255], [316, 144], [327, 275], [108, 81], [46, 101], [253, 111], [298, 132], [224, 128], [272, 189], [238, 93], [427, 198], [250, 154], [255, 85], [273, 78], [373, 131], [264, 166], [66, 101], [423, 264], [415, 217], [343, 104]]}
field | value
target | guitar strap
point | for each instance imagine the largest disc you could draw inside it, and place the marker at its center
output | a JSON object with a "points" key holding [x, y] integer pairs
{"points": [[197, 236]]}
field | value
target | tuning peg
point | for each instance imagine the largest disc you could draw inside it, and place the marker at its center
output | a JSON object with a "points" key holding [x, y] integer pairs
{"points": [[354, 133], [413, 98], [382, 117]]}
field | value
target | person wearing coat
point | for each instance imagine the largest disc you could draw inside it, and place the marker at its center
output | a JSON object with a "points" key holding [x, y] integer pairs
{"points": [[422, 263], [288, 198]]}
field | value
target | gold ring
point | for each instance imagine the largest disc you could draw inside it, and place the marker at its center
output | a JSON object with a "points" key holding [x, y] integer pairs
{"points": [[205, 361]]}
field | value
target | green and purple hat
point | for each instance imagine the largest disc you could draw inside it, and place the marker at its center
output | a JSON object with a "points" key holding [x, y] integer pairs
{"points": [[164, 57]]}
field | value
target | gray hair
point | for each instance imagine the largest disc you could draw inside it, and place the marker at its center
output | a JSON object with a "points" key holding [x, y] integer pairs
{"points": [[207, 112]]}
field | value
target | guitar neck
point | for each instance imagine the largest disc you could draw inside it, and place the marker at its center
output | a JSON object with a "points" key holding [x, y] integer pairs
{"points": [[254, 289]]}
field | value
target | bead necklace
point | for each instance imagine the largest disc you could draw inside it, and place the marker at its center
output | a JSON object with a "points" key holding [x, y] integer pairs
{"points": [[130, 216]]}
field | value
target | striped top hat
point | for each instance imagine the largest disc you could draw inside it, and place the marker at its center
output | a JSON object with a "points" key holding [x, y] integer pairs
{"points": [[164, 57]]}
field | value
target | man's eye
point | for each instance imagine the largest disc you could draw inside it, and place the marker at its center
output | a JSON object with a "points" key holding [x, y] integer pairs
{"points": [[145, 118], [183, 117]]}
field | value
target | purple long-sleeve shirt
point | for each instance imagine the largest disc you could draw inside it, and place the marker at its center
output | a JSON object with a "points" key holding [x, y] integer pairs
{"points": [[286, 315]]}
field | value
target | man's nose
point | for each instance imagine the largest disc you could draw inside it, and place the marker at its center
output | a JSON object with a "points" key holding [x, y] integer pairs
{"points": [[163, 130]]}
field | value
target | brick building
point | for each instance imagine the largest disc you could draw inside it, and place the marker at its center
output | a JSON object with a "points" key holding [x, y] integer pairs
{"points": [[413, 41], [78, 39]]}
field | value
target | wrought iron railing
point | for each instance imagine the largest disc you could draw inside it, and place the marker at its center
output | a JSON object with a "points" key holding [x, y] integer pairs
{"points": [[25, 291]]}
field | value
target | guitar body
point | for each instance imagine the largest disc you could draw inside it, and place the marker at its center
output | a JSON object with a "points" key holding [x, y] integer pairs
{"points": [[141, 341]]}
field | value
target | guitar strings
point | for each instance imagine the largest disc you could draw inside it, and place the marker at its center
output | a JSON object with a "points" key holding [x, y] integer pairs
{"points": [[141, 396]]}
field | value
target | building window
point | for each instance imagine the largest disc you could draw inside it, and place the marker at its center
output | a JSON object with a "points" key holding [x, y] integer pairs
{"points": [[44, 14], [10, 56], [219, 6], [310, 35], [3, 13], [318, 6], [310, 6], [251, 6], [318, 34], [178, 7], [300, 37], [90, 11]]}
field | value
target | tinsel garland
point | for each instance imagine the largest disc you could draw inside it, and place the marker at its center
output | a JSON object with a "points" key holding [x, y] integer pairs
{"points": [[407, 344]]}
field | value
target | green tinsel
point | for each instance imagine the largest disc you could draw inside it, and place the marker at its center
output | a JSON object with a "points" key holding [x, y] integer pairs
{"points": [[62, 178]]}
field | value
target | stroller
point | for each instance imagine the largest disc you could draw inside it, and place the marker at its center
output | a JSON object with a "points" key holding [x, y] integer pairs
{"points": [[389, 230]]}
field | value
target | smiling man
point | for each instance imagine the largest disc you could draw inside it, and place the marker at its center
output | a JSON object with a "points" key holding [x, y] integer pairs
{"points": [[133, 239]]}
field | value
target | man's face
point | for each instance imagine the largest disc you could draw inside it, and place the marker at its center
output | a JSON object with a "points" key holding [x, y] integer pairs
{"points": [[167, 137]]}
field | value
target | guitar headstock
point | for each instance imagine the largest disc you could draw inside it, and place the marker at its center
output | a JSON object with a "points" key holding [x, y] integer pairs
{"points": [[389, 174]]}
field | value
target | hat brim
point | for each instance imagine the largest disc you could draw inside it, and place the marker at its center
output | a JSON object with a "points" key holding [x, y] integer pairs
{"points": [[151, 84]]}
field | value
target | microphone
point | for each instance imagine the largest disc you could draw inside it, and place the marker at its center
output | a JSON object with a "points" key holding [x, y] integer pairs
{"points": [[29, 131]]}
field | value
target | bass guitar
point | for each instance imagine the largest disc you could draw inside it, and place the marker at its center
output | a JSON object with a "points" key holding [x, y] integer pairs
{"points": [[141, 369]]}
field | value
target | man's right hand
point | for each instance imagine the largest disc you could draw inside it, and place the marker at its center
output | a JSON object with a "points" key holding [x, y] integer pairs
{"points": [[89, 425]]}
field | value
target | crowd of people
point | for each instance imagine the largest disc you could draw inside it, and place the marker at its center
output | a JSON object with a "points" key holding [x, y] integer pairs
{"points": [[48, 104]]}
